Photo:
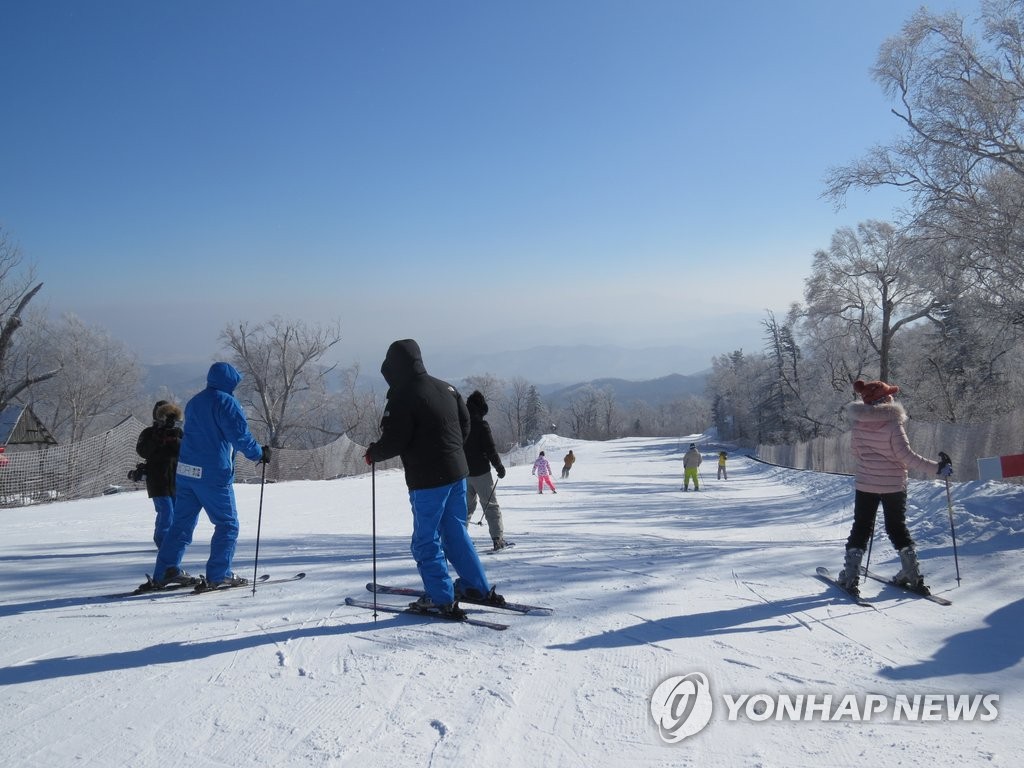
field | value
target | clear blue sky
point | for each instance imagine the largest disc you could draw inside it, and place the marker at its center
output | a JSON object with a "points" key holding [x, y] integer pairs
{"points": [[485, 174]]}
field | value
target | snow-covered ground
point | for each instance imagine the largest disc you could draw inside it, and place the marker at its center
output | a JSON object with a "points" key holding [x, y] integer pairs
{"points": [[647, 584]]}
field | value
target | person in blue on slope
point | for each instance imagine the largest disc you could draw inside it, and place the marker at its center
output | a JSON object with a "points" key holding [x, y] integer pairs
{"points": [[426, 422], [215, 427]]}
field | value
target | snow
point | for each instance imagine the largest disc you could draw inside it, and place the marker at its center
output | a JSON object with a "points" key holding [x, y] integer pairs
{"points": [[647, 583]]}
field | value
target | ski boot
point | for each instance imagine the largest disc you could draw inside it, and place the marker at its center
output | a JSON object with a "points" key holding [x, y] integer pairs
{"points": [[471, 595], [449, 610], [230, 580], [176, 577], [910, 572], [849, 577]]}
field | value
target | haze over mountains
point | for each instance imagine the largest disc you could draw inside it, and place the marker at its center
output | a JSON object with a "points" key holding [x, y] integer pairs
{"points": [[564, 365], [653, 374]]}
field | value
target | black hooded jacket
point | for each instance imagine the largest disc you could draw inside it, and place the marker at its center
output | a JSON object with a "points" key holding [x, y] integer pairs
{"points": [[480, 450], [425, 421]]}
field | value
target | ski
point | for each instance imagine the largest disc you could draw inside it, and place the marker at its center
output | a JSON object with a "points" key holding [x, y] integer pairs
{"points": [[492, 551], [261, 581], [827, 577], [152, 592], [399, 609], [201, 588], [911, 590], [383, 589]]}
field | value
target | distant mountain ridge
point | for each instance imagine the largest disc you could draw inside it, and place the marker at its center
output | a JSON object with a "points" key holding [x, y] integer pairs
{"points": [[654, 392], [557, 372], [565, 365]]}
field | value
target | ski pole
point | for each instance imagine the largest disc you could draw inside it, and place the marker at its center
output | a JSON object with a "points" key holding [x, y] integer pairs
{"points": [[373, 514], [259, 524], [484, 507], [867, 559], [952, 530]]}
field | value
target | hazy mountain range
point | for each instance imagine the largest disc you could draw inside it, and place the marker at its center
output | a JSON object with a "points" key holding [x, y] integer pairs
{"points": [[654, 392], [565, 365], [648, 374]]}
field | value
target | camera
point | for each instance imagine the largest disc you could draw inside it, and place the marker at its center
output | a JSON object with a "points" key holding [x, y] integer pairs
{"points": [[138, 474]]}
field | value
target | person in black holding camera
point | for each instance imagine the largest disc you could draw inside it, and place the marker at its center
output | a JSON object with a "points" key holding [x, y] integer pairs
{"points": [[159, 446]]}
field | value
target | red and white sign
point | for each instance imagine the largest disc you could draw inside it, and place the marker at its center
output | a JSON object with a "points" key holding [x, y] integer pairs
{"points": [[999, 467]]}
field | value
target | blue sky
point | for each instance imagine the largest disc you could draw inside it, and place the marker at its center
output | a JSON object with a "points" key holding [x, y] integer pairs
{"points": [[472, 174]]}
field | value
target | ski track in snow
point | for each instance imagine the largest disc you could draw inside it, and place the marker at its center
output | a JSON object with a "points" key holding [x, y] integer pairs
{"points": [[646, 582]]}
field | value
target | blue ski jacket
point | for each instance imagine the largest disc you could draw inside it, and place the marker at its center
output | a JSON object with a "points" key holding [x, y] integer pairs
{"points": [[215, 427]]}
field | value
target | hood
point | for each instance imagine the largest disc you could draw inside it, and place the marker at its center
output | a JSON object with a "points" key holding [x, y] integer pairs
{"points": [[402, 363], [877, 415], [224, 377], [476, 404], [165, 411]]}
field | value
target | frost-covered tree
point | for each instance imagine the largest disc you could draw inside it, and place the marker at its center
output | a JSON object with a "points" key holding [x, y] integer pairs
{"points": [[489, 385], [284, 384], [736, 383], [959, 95], [873, 282], [535, 415], [781, 395], [97, 383], [21, 364], [513, 408]]}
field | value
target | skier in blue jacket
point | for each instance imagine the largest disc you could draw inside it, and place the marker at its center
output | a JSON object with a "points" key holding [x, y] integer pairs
{"points": [[215, 427]]}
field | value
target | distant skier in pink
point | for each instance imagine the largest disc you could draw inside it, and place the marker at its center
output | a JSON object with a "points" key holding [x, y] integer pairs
{"points": [[542, 470]]}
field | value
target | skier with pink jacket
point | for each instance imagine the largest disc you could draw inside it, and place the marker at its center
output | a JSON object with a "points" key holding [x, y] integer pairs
{"points": [[542, 469], [883, 455]]}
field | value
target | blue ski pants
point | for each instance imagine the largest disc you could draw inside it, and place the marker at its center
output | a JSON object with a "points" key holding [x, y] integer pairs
{"points": [[164, 506], [439, 536], [219, 502]]}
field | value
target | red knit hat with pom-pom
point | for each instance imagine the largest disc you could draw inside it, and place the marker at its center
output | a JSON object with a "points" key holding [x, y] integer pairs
{"points": [[872, 392]]}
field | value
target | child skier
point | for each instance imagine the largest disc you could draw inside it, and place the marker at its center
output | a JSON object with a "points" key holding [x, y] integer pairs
{"points": [[883, 455], [542, 469]]}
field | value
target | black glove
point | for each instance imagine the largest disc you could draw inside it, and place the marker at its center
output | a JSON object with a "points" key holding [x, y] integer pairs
{"points": [[501, 472], [945, 465], [366, 456], [265, 458]]}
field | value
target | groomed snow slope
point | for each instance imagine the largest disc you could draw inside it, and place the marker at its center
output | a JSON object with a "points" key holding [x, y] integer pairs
{"points": [[646, 582]]}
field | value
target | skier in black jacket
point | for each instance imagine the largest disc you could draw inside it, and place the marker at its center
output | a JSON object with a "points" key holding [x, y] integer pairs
{"points": [[426, 423], [159, 445], [480, 455]]}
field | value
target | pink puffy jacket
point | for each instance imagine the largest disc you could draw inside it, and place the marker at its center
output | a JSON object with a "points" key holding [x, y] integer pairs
{"points": [[881, 448]]}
